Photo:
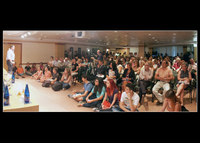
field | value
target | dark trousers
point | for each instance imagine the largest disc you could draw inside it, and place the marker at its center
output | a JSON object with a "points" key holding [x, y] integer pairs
{"points": [[95, 103], [143, 86], [10, 66]]}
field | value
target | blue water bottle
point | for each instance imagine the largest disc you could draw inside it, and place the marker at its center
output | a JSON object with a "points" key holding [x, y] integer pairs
{"points": [[13, 78], [26, 94], [6, 96]]}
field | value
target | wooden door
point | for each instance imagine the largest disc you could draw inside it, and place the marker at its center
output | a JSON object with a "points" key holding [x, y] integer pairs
{"points": [[59, 50], [17, 51]]}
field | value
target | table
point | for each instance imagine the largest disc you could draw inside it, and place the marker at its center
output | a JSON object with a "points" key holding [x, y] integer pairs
{"points": [[16, 105]]}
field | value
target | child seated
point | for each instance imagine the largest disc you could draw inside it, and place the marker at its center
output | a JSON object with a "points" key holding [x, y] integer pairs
{"points": [[20, 71]]}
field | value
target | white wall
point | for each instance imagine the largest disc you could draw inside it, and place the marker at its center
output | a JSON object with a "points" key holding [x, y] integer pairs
{"points": [[134, 49], [37, 52]]}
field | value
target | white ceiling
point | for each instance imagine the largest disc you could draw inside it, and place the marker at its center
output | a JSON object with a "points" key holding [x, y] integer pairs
{"points": [[108, 38]]}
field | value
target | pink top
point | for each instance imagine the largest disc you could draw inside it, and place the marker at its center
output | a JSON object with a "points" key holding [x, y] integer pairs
{"points": [[176, 66], [47, 74]]}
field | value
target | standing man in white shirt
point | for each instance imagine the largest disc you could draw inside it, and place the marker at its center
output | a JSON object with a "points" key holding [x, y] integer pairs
{"points": [[10, 58]]}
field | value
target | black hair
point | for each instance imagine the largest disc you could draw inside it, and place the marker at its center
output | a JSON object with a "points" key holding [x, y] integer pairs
{"points": [[113, 65], [51, 57], [100, 86], [85, 76], [130, 86]]}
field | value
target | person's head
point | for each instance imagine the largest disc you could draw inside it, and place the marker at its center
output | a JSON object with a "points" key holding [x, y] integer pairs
{"points": [[164, 63], [12, 47], [27, 64], [129, 88], [39, 68], [129, 66], [79, 61], [56, 58], [20, 65], [98, 52], [124, 60], [150, 58], [111, 86], [146, 66], [113, 65], [192, 61], [46, 68], [55, 70], [98, 85], [178, 60], [86, 59], [141, 58], [142, 63], [136, 63], [73, 61], [34, 65], [67, 72], [100, 62], [184, 66], [41, 63], [84, 77], [51, 58], [170, 96]]}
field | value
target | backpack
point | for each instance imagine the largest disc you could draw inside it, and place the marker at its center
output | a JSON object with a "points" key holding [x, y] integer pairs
{"points": [[46, 83], [57, 86]]}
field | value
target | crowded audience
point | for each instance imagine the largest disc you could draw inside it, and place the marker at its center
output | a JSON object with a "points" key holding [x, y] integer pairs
{"points": [[109, 80]]}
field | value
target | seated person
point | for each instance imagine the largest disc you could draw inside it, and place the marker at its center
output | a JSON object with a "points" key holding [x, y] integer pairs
{"points": [[99, 72], [20, 71], [128, 76], [33, 68], [96, 95], [74, 66], [41, 66], [171, 102], [80, 95], [120, 67], [15, 70], [112, 72], [183, 80], [38, 74], [146, 75], [61, 65], [55, 76], [112, 94], [164, 75], [66, 79], [177, 65], [50, 64], [193, 68], [47, 75], [129, 100], [56, 62], [28, 69], [67, 61]]}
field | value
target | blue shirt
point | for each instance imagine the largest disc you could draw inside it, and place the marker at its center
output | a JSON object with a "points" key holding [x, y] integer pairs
{"points": [[87, 87], [102, 92]]}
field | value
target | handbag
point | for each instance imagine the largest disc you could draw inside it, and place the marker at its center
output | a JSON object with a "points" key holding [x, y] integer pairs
{"points": [[106, 103]]}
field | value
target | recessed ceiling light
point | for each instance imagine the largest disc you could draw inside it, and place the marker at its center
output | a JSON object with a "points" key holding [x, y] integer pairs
{"points": [[174, 33], [115, 31], [153, 37], [9, 34], [61, 38], [149, 34], [29, 33], [25, 35], [125, 35], [22, 36]]}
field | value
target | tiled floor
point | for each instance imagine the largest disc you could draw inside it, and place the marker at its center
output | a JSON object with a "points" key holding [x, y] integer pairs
{"points": [[51, 101]]}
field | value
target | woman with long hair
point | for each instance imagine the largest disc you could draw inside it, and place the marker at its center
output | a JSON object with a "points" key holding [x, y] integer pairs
{"points": [[112, 95], [96, 95], [171, 102], [66, 79], [112, 72], [128, 76]]}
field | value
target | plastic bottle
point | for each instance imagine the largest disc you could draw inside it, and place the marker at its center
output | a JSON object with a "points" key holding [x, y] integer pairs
{"points": [[13, 78], [26, 94], [6, 96]]}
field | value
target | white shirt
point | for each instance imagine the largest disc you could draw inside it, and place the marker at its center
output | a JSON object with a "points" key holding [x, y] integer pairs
{"points": [[125, 99], [55, 63], [10, 55], [144, 73]]}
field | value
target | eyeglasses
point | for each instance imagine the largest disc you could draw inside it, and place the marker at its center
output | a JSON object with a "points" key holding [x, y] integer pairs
{"points": [[96, 81]]}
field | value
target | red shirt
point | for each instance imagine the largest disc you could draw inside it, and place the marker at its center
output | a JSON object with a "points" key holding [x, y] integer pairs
{"points": [[176, 66]]}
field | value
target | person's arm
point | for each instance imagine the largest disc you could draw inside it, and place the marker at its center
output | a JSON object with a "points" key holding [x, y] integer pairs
{"points": [[82, 90], [121, 105], [163, 107], [171, 77], [141, 75], [89, 95], [105, 97], [132, 107], [178, 76], [115, 98], [68, 80]]}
